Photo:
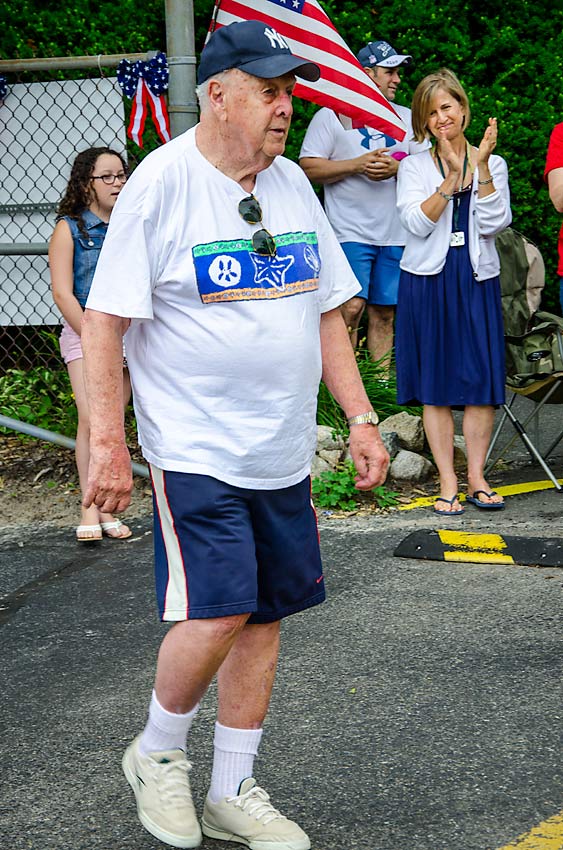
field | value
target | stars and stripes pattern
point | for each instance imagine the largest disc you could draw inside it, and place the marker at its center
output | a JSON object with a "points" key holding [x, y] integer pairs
{"points": [[146, 83], [343, 86]]}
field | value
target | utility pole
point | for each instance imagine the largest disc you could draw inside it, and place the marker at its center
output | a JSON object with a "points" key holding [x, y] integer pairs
{"points": [[180, 50]]}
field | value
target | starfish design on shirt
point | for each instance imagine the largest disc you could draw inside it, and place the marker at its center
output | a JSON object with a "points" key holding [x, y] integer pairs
{"points": [[271, 270]]}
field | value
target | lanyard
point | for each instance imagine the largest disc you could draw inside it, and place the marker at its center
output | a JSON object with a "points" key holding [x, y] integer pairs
{"points": [[457, 199]]}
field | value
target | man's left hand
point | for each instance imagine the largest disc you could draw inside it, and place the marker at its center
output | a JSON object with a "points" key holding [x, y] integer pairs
{"points": [[369, 455]]}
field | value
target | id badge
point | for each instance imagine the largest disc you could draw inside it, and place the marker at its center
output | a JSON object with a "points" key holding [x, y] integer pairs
{"points": [[457, 238]]}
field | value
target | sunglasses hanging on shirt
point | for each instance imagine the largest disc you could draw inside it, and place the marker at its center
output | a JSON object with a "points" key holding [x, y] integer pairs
{"points": [[262, 241]]}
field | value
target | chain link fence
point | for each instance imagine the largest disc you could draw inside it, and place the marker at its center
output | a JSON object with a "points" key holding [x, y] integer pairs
{"points": [[46, 118], [52, 110]]}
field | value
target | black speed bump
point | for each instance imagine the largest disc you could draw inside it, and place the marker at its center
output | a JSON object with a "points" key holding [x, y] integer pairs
{"points": [[465, 547]]}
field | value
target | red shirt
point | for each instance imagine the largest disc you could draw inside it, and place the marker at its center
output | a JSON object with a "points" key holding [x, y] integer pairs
{"points": [[555, 160]]}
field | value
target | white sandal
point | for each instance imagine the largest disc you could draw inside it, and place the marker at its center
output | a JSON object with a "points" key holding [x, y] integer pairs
{"points": [[89, 528], [115, 526]]}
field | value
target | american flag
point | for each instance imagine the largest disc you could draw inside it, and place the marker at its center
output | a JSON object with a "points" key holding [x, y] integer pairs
{"points": [[343, 86]]}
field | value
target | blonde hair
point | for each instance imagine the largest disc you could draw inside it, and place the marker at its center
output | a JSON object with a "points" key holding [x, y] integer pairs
{"points": [[425, 91]]}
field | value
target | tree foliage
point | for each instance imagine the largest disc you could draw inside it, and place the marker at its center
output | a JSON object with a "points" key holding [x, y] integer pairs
{"points": [[508, 57]]}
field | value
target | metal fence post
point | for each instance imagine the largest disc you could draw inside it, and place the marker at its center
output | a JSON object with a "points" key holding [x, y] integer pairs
{"points": [[182, 105]]}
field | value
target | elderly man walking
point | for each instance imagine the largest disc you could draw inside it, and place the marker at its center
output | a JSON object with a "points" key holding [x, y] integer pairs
{"points": [[221, 266], [358, 169]]}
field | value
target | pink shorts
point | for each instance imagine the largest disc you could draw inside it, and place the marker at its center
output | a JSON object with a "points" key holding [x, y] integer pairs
{"points": [[70, 346], [69, 342]]}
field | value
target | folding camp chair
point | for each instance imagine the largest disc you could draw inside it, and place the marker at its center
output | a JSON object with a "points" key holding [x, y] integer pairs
{"points": [[534, 348]]}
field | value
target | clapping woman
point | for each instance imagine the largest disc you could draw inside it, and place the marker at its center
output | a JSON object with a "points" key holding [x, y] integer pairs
{"points": [[452, 200]]}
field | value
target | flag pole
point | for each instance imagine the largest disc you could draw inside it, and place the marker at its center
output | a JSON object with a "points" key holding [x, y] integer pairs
{"points": [[213, 23]]}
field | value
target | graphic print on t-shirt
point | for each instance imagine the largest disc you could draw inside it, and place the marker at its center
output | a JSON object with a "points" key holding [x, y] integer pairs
{"points": [[232, 271], [368, 136]]}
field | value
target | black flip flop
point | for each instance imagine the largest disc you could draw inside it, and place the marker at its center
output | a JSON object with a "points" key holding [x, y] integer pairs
{"points": [[495, 506], [448, 502]]}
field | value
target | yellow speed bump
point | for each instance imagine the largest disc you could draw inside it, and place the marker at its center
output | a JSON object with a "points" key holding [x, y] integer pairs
{"points": [[465, 547], [547, 836], [483, 548]]}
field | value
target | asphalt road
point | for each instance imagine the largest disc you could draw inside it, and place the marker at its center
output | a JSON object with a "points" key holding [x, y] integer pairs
{"points": [[419, 708]]}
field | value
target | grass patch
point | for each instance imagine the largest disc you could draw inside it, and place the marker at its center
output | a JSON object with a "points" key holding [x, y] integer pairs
{"points": [[381, 389], [41, 397]]}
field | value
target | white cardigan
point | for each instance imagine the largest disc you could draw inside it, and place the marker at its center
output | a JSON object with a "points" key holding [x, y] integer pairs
{"points": [[428, 241]]}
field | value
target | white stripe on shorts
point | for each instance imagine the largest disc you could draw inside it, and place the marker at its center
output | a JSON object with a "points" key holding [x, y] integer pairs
{"points": [[176, 600]]}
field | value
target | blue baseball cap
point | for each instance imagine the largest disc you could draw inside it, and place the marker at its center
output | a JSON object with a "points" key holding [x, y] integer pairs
{"points": [[256, 49], [381, 53]]}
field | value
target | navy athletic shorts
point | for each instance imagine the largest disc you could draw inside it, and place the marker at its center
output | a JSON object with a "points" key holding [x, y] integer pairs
{"points": [[222, 550]]}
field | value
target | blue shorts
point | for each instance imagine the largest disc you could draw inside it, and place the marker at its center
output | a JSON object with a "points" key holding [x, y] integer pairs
{"points": [[377, 270], [222, 550]]}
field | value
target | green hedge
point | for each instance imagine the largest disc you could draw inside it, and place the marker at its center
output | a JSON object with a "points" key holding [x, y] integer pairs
{"points": [[508, 56]]}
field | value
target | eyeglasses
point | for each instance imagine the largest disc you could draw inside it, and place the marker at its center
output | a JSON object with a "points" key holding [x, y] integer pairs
{"points": [[262, 241], [109, 179]]}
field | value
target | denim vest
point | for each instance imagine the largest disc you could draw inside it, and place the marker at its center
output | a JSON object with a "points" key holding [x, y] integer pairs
{"points": [[86, 252]]}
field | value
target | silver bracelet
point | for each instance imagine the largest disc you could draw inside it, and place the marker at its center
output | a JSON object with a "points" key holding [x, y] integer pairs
{"points": [[443, 195], [485, 182]]}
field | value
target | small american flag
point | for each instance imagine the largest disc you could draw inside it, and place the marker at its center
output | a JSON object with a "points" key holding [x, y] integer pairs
{"points": [[343, 86]]}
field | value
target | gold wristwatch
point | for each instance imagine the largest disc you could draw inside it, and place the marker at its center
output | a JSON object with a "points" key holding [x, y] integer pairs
{"points": [[370, 418]]}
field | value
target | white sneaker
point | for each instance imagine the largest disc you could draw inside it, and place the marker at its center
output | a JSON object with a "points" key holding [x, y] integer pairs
{"points": [[164, 798], [250, 819]]}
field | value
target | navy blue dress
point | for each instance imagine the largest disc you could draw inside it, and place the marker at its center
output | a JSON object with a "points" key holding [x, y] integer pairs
{"points": [[449, 344]]}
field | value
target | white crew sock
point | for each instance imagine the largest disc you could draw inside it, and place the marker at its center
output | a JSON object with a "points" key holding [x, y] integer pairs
{"points": [[233, 759], [165, 730]]}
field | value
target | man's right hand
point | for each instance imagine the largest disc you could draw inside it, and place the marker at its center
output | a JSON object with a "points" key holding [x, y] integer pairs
{"points": [[110, 479], [109, 474], [377, 165]]}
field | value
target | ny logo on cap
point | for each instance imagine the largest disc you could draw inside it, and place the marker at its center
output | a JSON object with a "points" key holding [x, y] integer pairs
{"points": [[276, 40]]}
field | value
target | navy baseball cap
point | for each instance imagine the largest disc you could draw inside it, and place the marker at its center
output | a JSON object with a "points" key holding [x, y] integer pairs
{"points": [[255, 48], [382, 54]]}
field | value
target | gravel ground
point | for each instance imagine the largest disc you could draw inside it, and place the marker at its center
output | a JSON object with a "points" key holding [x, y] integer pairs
{"points": [[39, 485]]}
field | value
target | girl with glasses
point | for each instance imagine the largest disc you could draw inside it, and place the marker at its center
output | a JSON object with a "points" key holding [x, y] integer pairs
{"points": [[96, 179]]}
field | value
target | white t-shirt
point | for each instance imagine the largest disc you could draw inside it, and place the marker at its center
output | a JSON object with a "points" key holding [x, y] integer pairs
{"points": [[224, 346], [359, 209]]}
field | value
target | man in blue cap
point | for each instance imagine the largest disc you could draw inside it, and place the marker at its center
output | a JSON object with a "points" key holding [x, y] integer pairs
{"points": [[229, 284], [358, 168]]}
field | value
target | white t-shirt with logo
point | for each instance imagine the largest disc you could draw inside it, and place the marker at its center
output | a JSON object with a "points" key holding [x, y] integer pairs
{"points": [[224, 344], [359, 209]]}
